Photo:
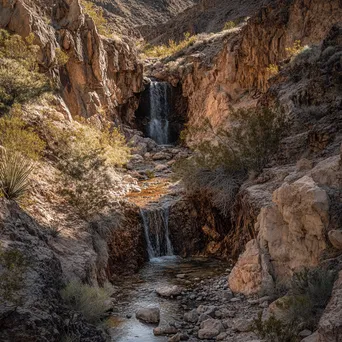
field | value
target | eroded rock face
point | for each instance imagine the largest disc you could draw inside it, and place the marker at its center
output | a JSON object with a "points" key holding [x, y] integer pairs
{"points": [[101, 75], [35, 312], [291, 236]]}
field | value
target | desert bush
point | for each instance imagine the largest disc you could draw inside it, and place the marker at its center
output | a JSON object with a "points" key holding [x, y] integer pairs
{"points": [[309, 294], [170, 49], [295, 49], [96, 13], [61, 57], [219, 166], [274, 330], [13, 265], [20, 79], [84, 155], [150, 174], [15, 171], [315, 284], [92, 302], [272, 69], [229, 25], [17, 136]]}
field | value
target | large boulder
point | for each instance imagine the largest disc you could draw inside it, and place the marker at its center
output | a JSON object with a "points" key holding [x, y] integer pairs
{"points": [[291, 236], [148, 315], [251, 273], [210, 328]]}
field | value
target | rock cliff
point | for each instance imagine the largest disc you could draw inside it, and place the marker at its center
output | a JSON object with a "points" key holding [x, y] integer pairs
{"points": [[101, 74]]}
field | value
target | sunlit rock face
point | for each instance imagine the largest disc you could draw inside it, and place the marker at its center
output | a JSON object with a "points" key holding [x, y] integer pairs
{"points": [[101, 75]]}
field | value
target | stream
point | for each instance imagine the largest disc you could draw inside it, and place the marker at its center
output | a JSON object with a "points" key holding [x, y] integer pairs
{"points": [[139, 291]]}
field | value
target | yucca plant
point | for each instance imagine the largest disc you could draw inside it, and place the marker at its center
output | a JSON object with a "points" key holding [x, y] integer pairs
{"points": [[15, 171]]}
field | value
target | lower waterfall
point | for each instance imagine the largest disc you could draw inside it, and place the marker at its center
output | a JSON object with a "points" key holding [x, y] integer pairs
{"points": [[156, 227]]}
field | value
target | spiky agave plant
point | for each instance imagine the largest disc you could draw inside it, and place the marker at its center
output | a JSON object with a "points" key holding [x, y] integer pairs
{"points": [[15, 171]]}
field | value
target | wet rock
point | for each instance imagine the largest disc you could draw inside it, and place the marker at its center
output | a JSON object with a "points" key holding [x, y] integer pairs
{"points": [[148, 315], [164, 330], [191, 316], [169, 291], [210, 328]]}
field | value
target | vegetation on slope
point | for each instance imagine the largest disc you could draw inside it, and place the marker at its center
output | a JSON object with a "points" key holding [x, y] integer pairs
{"points": [[218, 169], [20, 79], [169, 49]]}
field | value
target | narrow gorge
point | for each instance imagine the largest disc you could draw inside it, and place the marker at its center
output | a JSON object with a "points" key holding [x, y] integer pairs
{"points": [[171, 170]]}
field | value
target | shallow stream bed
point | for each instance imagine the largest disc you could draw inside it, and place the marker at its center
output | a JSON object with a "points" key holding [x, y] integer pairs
{"points": [[139, 291]]}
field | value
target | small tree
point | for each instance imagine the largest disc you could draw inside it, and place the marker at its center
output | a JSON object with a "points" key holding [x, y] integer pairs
{"points": [[219, 166]]}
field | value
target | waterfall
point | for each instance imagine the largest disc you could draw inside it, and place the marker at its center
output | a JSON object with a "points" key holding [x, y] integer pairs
{"points": [[156, 227], [158, 125]]}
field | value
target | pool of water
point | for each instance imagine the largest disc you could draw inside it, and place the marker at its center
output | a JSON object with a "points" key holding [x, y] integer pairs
{"points": [[139, 291]]}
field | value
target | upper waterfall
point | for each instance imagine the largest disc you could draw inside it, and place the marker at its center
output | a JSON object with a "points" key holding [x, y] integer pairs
{"points": [[158, 125]]}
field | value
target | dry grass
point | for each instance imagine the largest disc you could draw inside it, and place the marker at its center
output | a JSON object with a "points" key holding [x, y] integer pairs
{"points": [[170, 49]]}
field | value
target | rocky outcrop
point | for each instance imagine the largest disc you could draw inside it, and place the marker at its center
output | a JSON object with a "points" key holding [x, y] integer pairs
{"points": [[33, 309], [101, 75]]}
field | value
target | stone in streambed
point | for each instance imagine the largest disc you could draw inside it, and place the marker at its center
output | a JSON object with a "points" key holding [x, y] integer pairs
{"points": [[169, 291], [164, 330], [191, 316], [148, 315], [210, 328]]}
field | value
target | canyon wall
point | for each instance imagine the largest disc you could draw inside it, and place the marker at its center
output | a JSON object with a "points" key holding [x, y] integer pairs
{"points": [[101, 75], [229, 69]]}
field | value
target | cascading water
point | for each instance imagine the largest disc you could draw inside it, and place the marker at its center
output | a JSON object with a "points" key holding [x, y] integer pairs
{"points": [[156, 227], [158, 125]]}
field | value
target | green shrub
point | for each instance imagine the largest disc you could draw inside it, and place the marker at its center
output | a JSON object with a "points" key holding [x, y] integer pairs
{"points": [[229, 25], [85, 154], [295, 49], [272, 69], [61, 57], [16, 136], [316, 284], [96, 13], [13, 265], [92, 302], [20, 79], [150, 174], [310, 291], [274, 330], [218, 167], [15, 171]]}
